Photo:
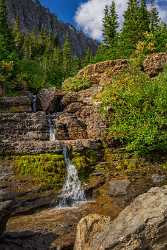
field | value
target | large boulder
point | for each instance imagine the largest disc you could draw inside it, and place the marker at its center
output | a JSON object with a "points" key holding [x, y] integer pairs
{"points": [[48, 100], [85, 107], [103, 71], [154, 63], [141, 225]]}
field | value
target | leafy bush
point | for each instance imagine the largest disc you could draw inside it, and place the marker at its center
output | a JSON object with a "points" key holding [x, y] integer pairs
{"points": [[136, 109], [76, 84]]}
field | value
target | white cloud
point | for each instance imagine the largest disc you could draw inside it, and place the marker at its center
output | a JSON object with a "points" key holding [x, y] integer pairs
{"points": [[90, 14]]}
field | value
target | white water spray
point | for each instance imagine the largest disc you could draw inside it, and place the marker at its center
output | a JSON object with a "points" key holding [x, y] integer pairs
{"points": [[51, 130], [72, 192]]}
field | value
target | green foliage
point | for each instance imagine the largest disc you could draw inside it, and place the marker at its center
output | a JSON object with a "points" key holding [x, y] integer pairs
{"points": [[85, 163], [110, 25], [88, 57], [76, 84], [67, 58], [136, 23], [154, 17], [138, 107], [6, 42], [29, 71], [45, 169]]}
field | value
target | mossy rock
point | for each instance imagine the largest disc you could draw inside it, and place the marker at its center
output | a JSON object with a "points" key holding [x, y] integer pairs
{"points": [[47, 169], [85, 163]]}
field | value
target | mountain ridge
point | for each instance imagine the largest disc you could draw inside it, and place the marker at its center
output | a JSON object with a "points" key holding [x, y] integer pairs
{"points": [[34, 16]]}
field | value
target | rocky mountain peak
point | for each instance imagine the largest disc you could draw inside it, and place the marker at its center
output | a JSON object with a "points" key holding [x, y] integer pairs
{"points": [[34, 17]]}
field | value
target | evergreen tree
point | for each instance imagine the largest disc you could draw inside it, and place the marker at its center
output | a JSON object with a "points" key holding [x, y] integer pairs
{"points": [[130, 25], [144, 20], [27, 47], [87, 57], [154, 16], [136, 23], [18, 36], [67, 58], [6, 43], [110, 25]]}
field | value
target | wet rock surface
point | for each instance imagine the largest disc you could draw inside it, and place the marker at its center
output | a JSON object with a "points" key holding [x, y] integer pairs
{"points": [[49, 229]]}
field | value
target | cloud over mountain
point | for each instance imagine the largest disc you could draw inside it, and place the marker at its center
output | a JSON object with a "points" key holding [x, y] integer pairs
{"points": [[89, 15]]}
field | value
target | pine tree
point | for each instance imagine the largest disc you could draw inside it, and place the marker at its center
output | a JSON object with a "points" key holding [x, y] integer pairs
{"points": [[144, 20], [87, 57], [110, 25], [18, 36], [136, 23], [6, 43], [67, 58], [154, 16], [130, 25], [27, 47]]}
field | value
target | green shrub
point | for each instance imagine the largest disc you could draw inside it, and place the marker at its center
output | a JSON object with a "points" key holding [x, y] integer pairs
{"points": [[76, 84], [135, 107]]}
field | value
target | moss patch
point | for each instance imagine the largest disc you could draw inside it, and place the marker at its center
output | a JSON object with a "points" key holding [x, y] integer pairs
{"points": [[85, 163], [45, 169]]}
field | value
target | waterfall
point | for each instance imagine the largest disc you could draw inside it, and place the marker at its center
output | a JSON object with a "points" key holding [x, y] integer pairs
{"points": [[51, 130], [72, 192], [34, 103]]}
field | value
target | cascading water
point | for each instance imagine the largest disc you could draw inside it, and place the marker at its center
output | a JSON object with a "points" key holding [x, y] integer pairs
{"points": [[34, 103], [51, 130], [72, 192]]}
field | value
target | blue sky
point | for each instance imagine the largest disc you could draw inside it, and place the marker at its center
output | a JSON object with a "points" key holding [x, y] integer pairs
{"points": [[88, 14], [64, 9]]}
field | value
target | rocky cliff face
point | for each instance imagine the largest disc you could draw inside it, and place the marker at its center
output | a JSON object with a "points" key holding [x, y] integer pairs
{"points": [[33, 16]]}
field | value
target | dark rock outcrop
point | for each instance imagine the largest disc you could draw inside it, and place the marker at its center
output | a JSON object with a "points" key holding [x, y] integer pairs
{"points": [[142, 225], [33, 16], [15, 104], [6, 209], [49, 100]]}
